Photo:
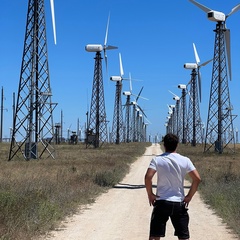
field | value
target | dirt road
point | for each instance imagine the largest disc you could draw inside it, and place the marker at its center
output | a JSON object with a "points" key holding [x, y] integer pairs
{"points": [[124, 213]]}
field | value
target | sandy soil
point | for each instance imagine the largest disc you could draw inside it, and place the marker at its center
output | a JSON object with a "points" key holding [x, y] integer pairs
{"points": [[124, 213]]}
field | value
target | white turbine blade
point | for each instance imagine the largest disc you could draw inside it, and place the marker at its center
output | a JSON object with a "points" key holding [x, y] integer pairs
{"points": [[53, 21], [199, 85], [235, 9], [205, 63], [121, 66], [204, 8], [109, 47], [228, 48], [196, 54], [105, 59], [130, 80], [173, 93], [106, 36], [139, 96]]}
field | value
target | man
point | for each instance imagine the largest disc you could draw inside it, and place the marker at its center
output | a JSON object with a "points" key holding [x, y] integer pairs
{"points": [[170, 201]]}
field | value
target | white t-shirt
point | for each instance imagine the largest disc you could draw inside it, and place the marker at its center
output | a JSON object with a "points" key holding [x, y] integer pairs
{"points": [[171, 170]]}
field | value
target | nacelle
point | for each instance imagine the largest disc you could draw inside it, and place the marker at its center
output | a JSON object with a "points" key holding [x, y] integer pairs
{"points": [[190, 65], [176, 98], [182, 86], [127, 93], [216, 16], [116, 78], [94, 48]]}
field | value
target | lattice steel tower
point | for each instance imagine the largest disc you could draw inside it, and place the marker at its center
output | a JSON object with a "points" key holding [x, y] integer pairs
{"points": [[33, 129], [117, 125], [219, 131], [128, 127], [97, 125], [194, 122], [183, 115], [220, 119]]}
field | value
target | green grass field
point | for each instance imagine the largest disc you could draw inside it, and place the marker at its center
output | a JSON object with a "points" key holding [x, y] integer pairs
{"points": [[35, 195]]}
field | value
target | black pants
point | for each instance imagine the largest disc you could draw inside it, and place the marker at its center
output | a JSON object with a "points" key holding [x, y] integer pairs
{"points": [[178, 214]]}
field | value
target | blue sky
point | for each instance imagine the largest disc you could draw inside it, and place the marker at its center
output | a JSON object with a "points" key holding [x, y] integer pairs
{"points": [[154, 37]]}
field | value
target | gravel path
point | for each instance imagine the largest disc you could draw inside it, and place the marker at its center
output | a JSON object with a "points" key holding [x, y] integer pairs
{"points": [[124, 213]]}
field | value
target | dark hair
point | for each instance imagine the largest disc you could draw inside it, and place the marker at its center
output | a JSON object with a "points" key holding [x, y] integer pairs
{"points": [[170, 142]]}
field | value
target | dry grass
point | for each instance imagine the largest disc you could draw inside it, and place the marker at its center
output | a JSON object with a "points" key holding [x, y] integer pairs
{"points": [[220, 187], [35, 195]]}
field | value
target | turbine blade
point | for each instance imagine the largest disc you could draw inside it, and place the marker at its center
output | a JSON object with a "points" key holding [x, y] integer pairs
{"points": [[139, 94], [121, 66], [110, 47], [199, 85], [130, 80], [105, 59], [106, 36], [142, 111], [173, 93], [53, 21], [228, 48], [196, 54], [205, 63], [235, 9], [148, 121], [204, 8]]}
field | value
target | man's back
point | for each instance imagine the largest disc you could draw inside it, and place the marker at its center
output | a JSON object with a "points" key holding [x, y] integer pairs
{"points": [[171, 170]]}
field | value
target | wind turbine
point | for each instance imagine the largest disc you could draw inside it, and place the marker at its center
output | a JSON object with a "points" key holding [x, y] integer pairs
{"points": [[130, 126], [97, 125], [220, 118], [177, 113], [117, 126], [33, 129], [128, 129], [183, 114], [135, 115], [140, 116], [170, 119], [194, 122]]}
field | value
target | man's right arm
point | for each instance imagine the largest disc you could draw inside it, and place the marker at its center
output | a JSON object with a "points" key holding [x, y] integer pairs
{"points": [[148, 184], [194, 175]]}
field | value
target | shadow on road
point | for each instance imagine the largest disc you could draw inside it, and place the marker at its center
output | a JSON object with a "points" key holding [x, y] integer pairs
{"points": [[135, 186], [130, 186]]}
